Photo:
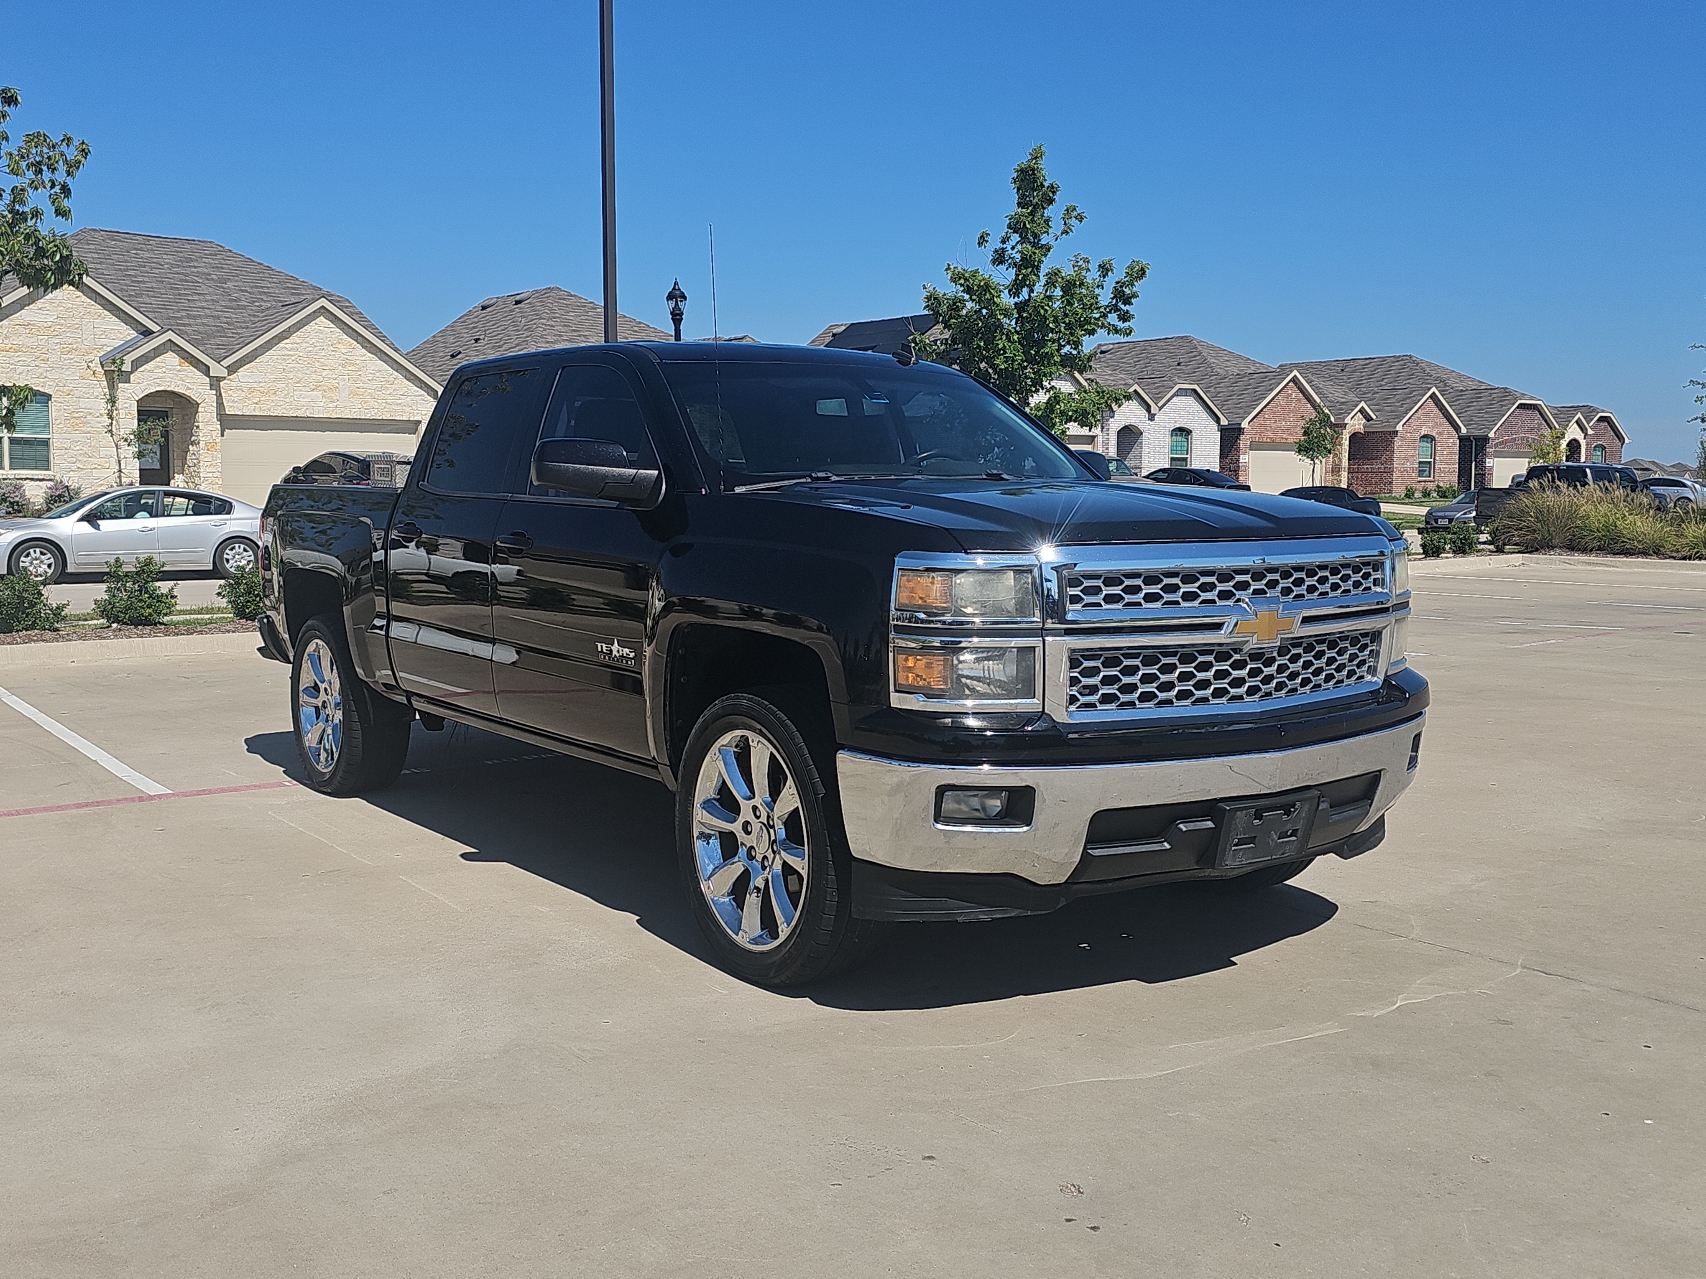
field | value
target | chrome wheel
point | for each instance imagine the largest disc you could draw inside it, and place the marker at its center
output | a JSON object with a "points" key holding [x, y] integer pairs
{"points": [[236, 557], [749, 840], [320, 707], [38, 562]]}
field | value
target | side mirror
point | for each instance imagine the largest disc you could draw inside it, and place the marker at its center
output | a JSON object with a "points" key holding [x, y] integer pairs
{"points": [[1096, 462], [594, 468]]}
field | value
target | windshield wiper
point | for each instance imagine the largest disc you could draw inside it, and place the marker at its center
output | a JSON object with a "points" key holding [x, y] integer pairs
{"points": [[809, 477]]}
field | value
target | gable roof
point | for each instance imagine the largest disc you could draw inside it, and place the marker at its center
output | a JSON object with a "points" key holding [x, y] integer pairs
{"points": [[883, 336], [213, 297], [533, 320], [1394, 386], [1478, 406], [1589, 413], [1235, 385]]}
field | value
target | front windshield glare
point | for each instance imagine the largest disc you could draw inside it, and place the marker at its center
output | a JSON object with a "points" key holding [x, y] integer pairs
{"points": [[71, 508], [773, 421]]}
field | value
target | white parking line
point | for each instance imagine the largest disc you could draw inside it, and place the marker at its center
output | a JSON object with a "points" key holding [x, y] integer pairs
{"points": [[119, 769]]}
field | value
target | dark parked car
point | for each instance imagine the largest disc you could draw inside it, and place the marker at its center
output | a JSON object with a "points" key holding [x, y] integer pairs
{"points": [[1332, 495], [1676, 491], [1580, 475], [379, 470], [1198, 475], [1460, 510], [897, 652]]}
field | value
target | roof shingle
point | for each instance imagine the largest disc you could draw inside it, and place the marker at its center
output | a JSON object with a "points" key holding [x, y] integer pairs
{"points": [[535, 320]]}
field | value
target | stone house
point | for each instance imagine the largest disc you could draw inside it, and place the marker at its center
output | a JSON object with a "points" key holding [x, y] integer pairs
{"points": [[1196, 404], [244, 370], [533, 320]]}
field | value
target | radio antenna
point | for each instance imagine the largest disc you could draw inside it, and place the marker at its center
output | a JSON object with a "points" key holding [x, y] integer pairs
{"points": [[711, 229]]}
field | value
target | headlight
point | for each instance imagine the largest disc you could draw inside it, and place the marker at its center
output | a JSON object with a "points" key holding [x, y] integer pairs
{"points": [[972, 594], [1400, 571], [966, 672]]}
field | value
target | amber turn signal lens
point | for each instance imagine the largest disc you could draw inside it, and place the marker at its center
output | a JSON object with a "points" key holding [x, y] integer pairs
{"points": [[926, 672], [929, 592]]}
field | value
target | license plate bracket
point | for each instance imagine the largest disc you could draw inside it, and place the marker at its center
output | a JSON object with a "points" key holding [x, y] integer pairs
{"points": [[1276, 828]]}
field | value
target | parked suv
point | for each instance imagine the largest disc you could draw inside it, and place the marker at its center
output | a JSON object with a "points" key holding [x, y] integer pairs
{"points": [[1676, 491], [899, 654], [1350, 499], [1580, 475]]}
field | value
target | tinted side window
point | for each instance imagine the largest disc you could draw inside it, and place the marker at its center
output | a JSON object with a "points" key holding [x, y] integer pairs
{"points": [[595, 402], [488, 416]]}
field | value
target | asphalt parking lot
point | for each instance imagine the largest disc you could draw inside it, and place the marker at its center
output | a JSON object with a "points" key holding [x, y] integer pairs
{"points": [[466, 1027]]}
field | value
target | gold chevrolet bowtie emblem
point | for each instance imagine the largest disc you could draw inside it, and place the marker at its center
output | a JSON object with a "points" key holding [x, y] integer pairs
{"points": [[1266, 626]]}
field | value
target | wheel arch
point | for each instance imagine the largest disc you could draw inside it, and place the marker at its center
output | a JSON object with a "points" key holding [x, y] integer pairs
{"points": [[703, 661]]}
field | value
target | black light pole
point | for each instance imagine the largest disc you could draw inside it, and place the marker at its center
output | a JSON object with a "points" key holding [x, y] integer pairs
{"points": [[607, 121], [677, 299]]}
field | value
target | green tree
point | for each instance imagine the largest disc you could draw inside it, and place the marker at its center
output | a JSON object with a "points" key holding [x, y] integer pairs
{"points": [[1547, 448], [1319, 441], [40, 257], [1021, 325]]}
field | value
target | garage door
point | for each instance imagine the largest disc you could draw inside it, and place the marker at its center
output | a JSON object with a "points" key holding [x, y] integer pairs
{"points": [[1274, 467], [255, 452]]}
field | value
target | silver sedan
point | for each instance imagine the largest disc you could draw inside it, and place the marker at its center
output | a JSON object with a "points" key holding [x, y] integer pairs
{"points": [[1677, 492], [181, 528]]}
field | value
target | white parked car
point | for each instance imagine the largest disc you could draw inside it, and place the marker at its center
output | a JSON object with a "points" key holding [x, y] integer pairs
{"points": [[181, 528]]}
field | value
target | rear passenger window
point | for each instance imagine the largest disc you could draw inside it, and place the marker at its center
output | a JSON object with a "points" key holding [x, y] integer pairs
{"points": [[488, 416], [595, 402]]}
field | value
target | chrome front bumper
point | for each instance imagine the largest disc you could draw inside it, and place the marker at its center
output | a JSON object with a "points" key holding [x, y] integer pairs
{"points": [[888, 806]]}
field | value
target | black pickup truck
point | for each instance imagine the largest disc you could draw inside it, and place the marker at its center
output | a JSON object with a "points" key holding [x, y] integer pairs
{"points": [[899, 653]]}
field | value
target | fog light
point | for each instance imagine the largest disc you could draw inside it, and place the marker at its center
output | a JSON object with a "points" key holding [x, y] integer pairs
{"points": [[1415, 753], [973, 805]]}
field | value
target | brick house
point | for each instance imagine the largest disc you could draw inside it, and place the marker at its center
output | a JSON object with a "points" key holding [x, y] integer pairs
{"points": [[245, 370], [1412, 438], [533, 320], [1591, 434], [1193, 403]]}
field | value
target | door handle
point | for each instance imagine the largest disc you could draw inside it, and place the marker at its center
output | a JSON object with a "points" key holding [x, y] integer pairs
{"points": [[514, 542], [406, 529]]}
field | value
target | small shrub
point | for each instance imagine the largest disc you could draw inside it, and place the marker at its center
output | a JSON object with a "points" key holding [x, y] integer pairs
{"points": [[1433, 545], [1409, 490], [1448, 491], [1465, 538], [59, 492], [1690, 538], [133, 597], [242, 592], [14, 498], [1427, 490], [1543, 517], [24, 606]]}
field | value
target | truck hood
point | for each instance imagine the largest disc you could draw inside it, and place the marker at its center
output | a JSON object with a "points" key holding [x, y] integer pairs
{"points": [[992, 515]]}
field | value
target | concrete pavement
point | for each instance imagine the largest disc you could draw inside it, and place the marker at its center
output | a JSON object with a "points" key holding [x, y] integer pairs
{"points": [[466, 1027]]}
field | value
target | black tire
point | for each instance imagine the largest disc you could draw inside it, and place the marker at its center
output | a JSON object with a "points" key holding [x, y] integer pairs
{"points": [[1263, 877], [372, 737], [823, 937], [1682, 504], [231, 550], [35, 549]]}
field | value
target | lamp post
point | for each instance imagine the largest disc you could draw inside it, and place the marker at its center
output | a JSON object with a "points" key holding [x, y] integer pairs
{"points": [[677, 299]]}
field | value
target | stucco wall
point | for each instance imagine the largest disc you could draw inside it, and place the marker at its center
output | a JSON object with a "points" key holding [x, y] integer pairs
{"points": [[51, 343]]}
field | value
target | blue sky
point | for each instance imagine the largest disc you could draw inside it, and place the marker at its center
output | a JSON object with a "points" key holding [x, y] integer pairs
{"points": [[1512, 189]]}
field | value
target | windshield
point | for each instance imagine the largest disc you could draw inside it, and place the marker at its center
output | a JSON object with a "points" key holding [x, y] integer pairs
{"points": [[71, 508], [765, 421]]}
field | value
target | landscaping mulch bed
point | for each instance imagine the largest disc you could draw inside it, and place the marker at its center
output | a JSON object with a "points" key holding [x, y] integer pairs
{"points": [[95, 634]]}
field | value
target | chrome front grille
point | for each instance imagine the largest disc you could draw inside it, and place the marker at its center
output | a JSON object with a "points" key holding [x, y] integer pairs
{"points": [[1093, 590], [1133, 678]]}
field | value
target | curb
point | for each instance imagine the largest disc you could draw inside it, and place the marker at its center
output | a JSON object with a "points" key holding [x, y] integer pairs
{"points": [[1459, 564], [81, 652]]}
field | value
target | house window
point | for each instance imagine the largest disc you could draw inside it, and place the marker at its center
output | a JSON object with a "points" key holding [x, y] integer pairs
{"points": [[27, 447], [1425, 458], [1179, 447], [1599, 452]]}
